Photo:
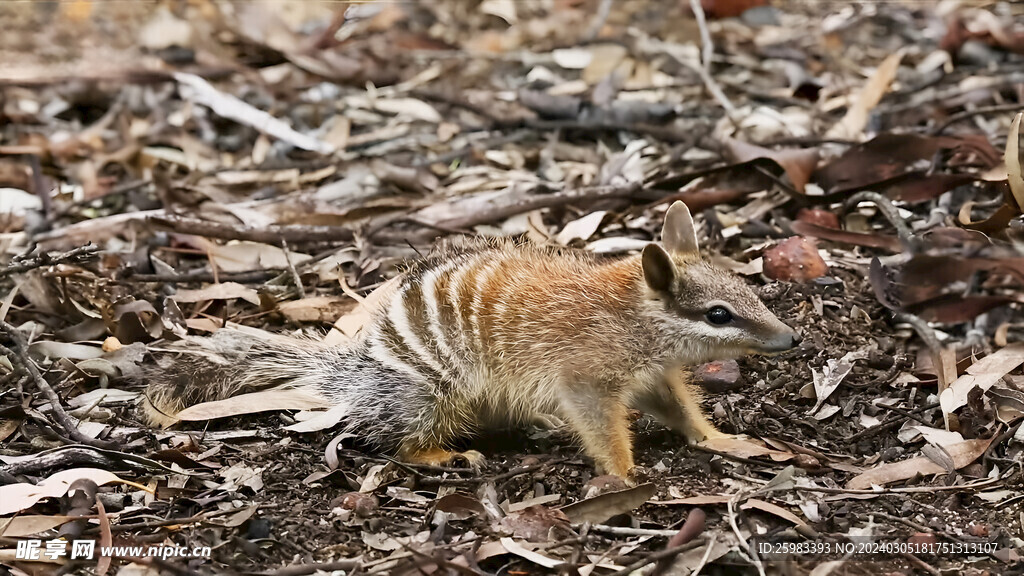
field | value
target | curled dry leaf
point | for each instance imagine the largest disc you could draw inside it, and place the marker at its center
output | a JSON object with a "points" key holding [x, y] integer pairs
{"points": [[798, 163], [536, 524], [346, 327], [29, 525], [17, 497], [228, 106], [50, 349], [745, 448], [1012, 158], [581, 229], [884, 241], [602, 507], [982, 375], [222, 291], [518, 549], [755, 504], [961, 454], [852, 125], [326, 309], [252, 403], [315, 421]]}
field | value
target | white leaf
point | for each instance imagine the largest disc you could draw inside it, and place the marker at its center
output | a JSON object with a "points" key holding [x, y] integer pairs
{"points": [[582, 228], [67, 350], [319, 420], [572, 58], [410, 107], [18, 201]]}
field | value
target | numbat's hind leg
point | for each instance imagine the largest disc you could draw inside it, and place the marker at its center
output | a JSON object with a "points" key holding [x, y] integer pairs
{"points": [[442, 457]]}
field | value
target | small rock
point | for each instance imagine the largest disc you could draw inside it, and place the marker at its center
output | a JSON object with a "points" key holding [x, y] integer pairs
{"points": [[112, 344], [362, 504], [795, 259], [923, 539], [807, 462], [818, 217], [761, 16], [601, 484], [530, 461], [978, 530], [880, 360], [719, 376]]}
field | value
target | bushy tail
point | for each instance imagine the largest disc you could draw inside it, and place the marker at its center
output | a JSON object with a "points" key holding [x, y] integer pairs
{"points": [[382, 403], [230, 363]]}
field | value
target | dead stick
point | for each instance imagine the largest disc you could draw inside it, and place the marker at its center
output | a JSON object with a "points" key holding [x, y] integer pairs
{"points": [[504, 212], [652, 558], [707, 53], [20, 355], [303, 569], [267, 235], [78, 255]]}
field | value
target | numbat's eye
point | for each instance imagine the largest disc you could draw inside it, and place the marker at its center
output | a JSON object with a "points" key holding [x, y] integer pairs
{"points": [[719, 315]]}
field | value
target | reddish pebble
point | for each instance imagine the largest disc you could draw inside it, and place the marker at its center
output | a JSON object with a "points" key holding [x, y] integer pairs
{"points": [[728, 8], [923, 539], [362, 504], [719, 376], [602, 484], [818, 217], [807, 462], [795, 259], [979, 530]]}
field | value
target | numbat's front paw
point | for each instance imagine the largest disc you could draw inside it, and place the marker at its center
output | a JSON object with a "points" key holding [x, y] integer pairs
{"points": [[637, 475], [440, 457], [471, 457], [548, 421]]}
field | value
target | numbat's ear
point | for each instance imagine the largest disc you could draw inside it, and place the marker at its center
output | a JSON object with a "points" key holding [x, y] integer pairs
{"points": [[659, 270], [678, 235]]}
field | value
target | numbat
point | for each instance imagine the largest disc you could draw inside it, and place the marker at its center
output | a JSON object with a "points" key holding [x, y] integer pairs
{"points": [[497, 333]]}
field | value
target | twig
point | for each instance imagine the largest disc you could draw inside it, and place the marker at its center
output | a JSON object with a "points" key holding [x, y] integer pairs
{"points": [[303, 569], [652, 558], [291, 268], [996, 109], [206, 276], [376, 232], [886, 207], [20, 356], [707, 53], [744, 544], [267, 235], [627, 531], [921, 564], [903, 412], [74, 454], [707, 554], [889, 423], [904, 490], [600, 18], [77, 256]]}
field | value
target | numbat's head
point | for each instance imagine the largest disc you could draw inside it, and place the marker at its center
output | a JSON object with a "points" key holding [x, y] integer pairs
{"points": [[706, 312]]}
